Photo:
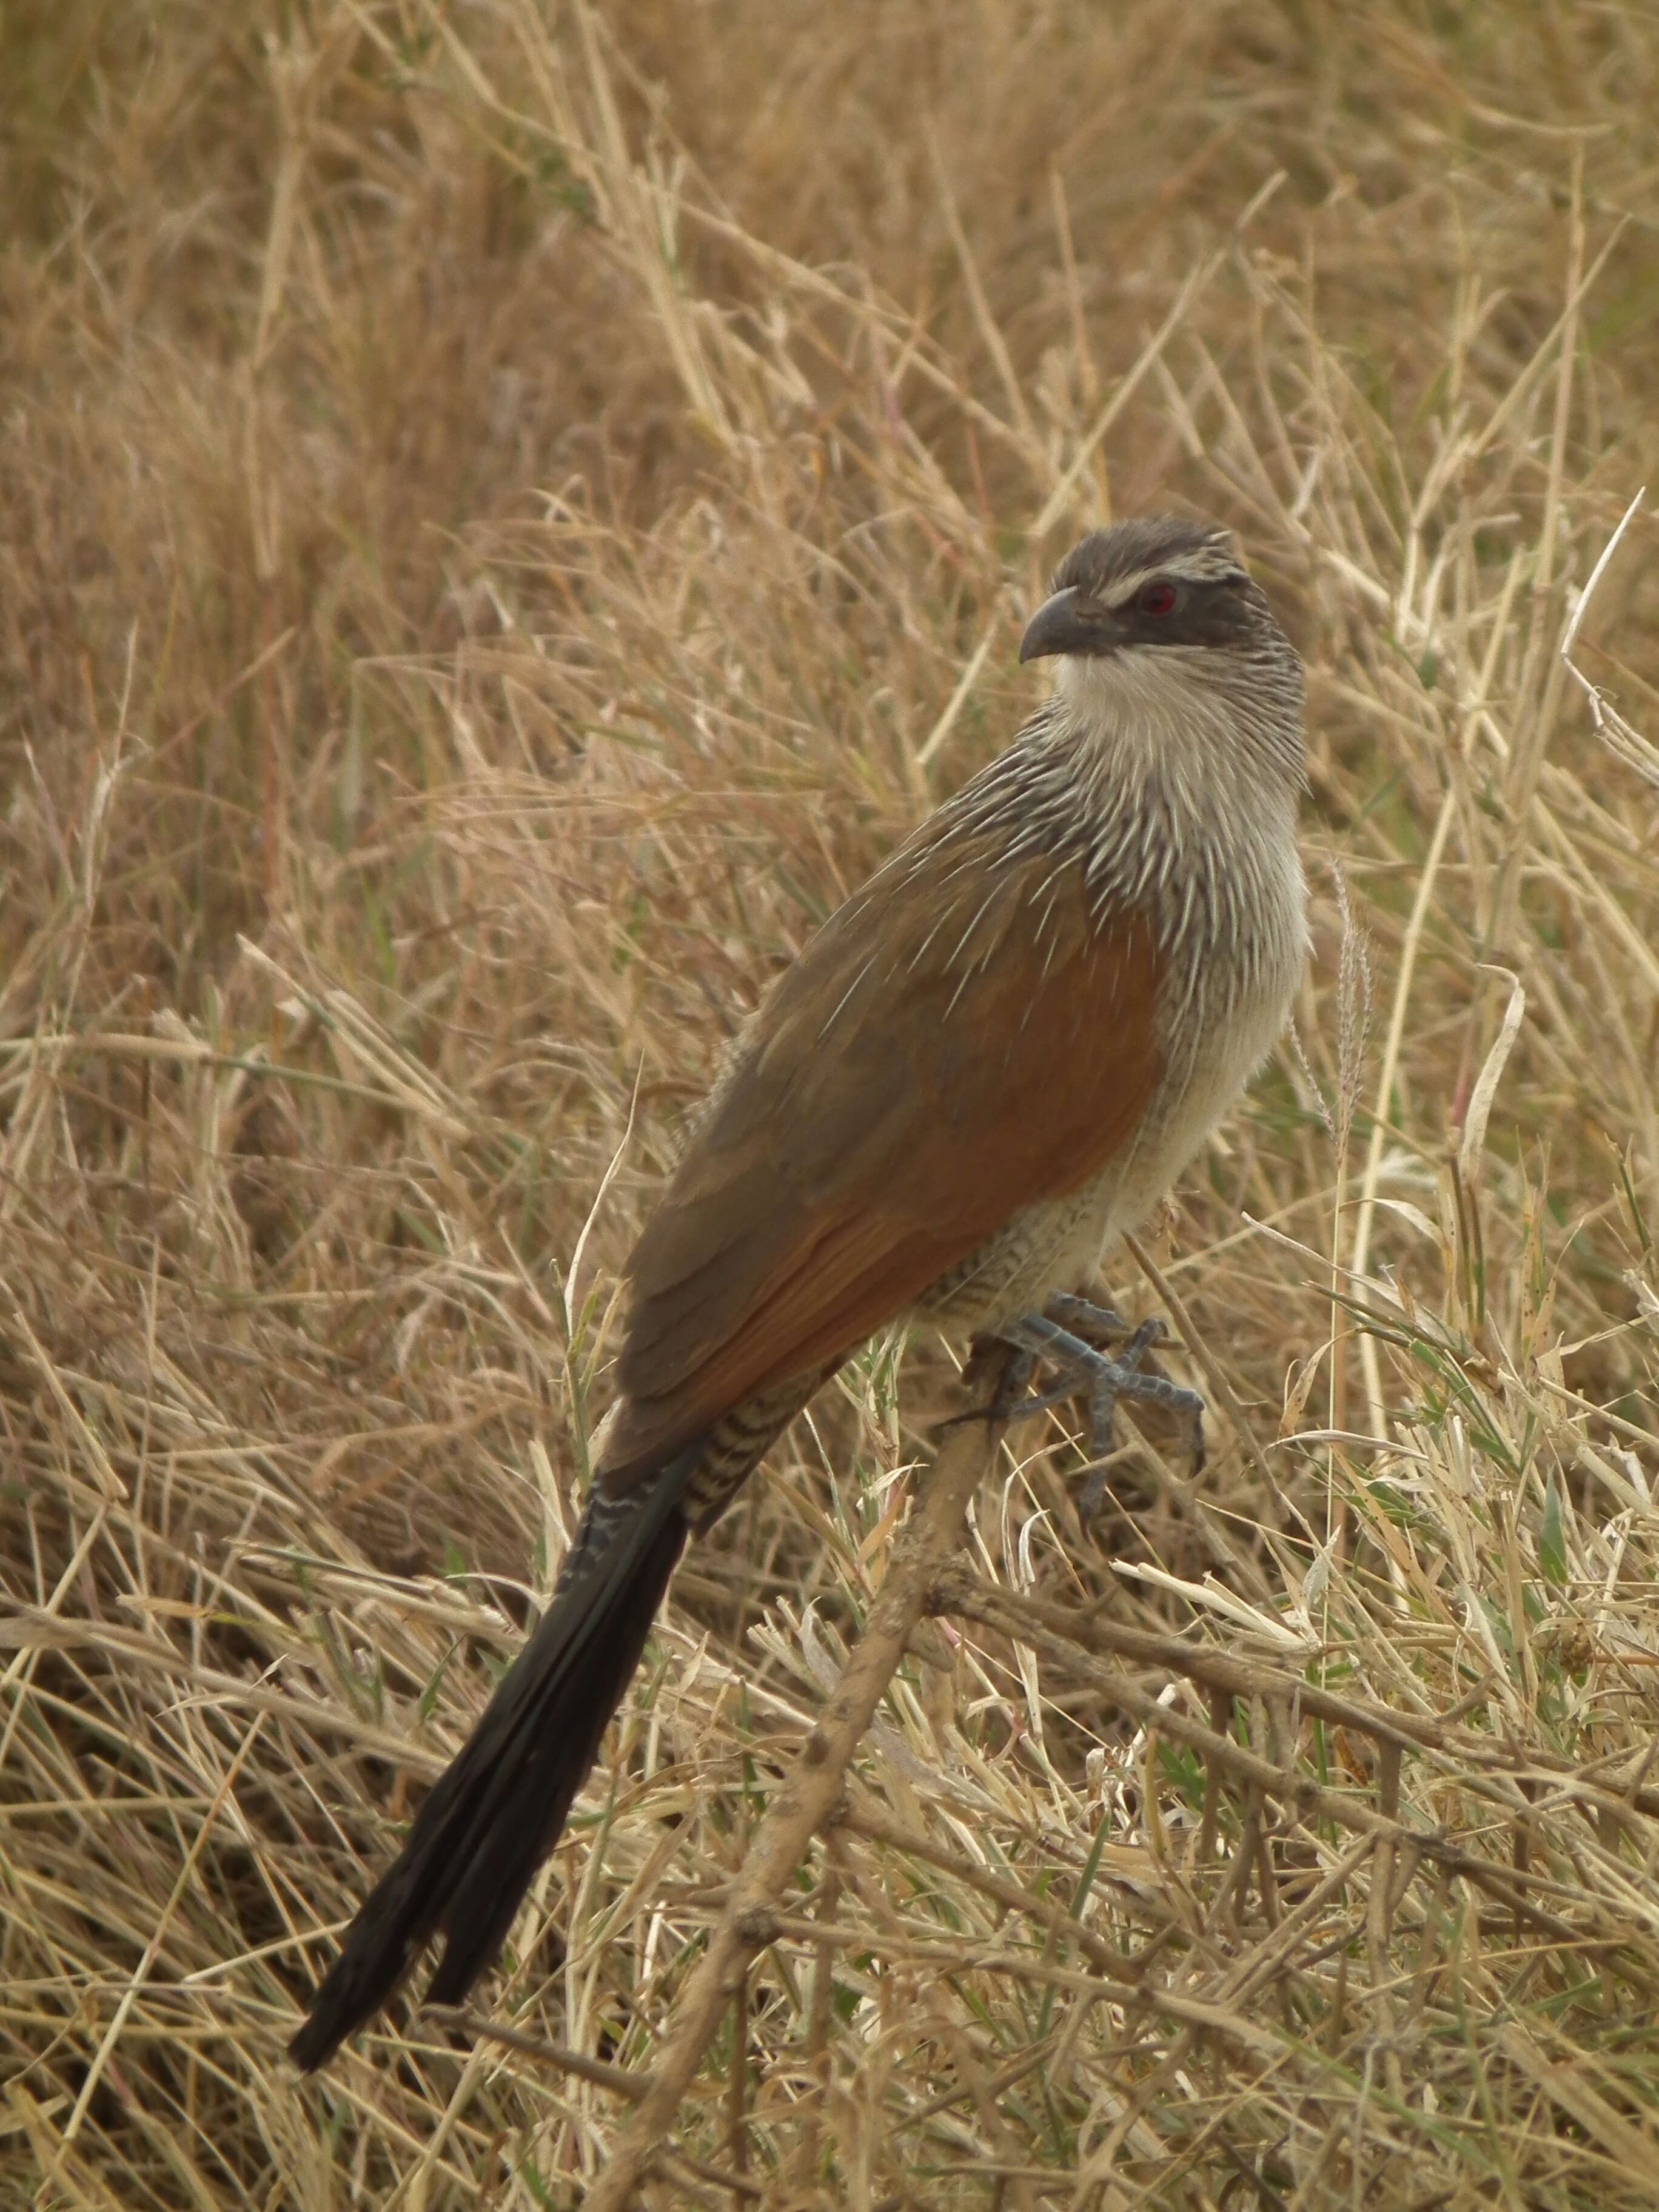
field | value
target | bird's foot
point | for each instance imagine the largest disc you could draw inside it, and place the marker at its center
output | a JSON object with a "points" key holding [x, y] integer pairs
{"points": [[1104, 1378]]}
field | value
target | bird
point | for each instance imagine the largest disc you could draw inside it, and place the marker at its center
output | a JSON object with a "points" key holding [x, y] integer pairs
{"points": [[988, 1063]]}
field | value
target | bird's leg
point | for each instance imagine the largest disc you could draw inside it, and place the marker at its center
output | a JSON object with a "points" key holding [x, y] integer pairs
{"points": [[1084, 1318], [1105, 1378], [1008, 1398]]}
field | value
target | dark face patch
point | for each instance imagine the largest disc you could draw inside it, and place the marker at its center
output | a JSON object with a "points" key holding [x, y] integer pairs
{"points": [[1219, 614]]}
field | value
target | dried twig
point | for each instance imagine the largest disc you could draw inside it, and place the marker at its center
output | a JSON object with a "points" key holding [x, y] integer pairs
{"points": [[801, 1806]]}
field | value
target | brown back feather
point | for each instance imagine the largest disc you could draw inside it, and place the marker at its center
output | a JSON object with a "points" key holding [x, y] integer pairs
{"points": [[963, 1038]]}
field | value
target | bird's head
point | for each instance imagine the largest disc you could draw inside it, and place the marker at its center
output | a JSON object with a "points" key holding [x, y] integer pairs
{"points": [[1157, 619]]}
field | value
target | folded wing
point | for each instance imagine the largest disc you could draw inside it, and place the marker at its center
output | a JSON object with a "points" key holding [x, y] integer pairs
{"points": [[966, 1037]]}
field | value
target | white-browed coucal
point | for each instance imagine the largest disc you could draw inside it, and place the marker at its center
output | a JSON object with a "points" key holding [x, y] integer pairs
{"points": [[995, 1057]]}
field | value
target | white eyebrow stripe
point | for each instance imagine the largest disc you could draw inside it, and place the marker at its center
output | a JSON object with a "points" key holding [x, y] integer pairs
{"points": [[1199, 566], [1121, 589]]}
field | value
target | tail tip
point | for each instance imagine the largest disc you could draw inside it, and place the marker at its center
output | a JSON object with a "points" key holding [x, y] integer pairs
{"points": [[314, 2042]]}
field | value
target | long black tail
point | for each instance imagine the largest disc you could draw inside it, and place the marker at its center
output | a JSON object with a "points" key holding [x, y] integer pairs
{"points": [[496, 1811]]}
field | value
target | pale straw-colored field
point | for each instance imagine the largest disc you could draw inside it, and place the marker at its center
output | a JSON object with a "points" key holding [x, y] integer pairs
{"points": [[506, 513]]}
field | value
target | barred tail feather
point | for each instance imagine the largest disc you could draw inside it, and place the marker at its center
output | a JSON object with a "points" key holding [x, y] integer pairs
{"points": [[498, 1808]]}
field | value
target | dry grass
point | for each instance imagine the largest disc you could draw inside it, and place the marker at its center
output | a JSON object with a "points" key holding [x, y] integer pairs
{"points": [[500, 526]]}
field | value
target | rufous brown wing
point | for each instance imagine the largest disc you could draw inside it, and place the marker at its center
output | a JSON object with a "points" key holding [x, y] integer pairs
{"points": [[954, 1045]]}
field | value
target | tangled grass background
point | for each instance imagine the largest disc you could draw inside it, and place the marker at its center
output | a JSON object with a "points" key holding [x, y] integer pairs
{"points": [[506, 513]]}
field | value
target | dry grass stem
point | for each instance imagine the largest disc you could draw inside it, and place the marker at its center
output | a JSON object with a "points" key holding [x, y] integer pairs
{"points": [[506, 514]]}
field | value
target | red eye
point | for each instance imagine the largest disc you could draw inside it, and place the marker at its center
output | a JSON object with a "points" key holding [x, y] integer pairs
{"points": [[1157, 599]]}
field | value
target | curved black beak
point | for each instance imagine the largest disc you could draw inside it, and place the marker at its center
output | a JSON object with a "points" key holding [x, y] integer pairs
{"points": [[1067, 623]]}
